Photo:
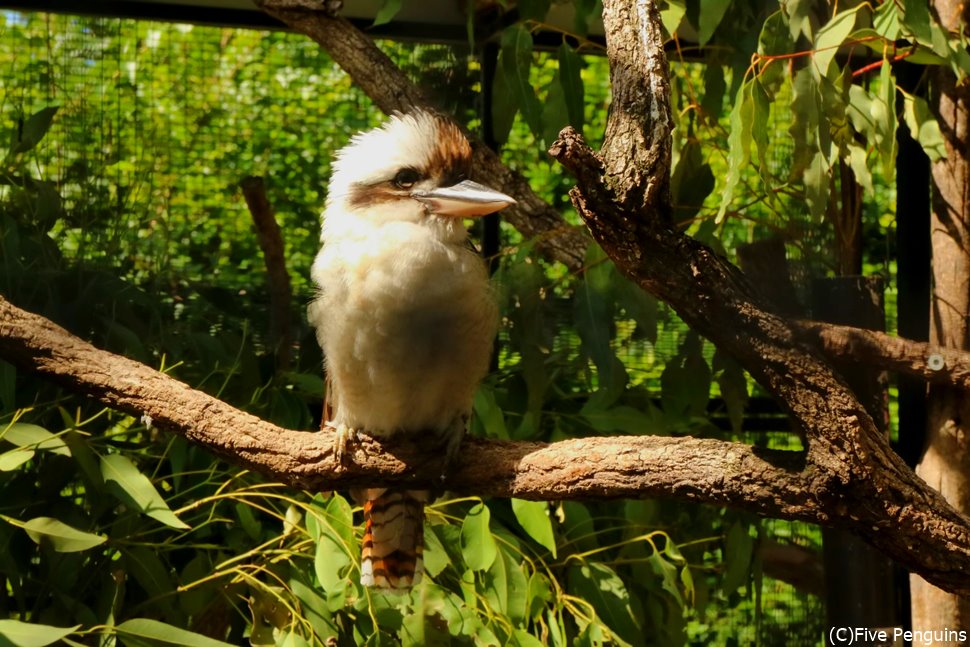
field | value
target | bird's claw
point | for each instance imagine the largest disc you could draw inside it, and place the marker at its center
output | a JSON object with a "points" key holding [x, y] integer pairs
{"points": [[346, 436]]}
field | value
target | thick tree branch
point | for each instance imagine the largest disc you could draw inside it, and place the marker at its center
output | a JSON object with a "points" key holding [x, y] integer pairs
{"points": [[871, 490], [932, 363], [933, 541], [391, 90]]}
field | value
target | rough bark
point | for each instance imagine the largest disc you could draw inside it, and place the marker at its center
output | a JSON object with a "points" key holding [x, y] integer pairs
{"points": [[391, 90], [919, 531], [945, 464], [930, 362], [715, 299]]}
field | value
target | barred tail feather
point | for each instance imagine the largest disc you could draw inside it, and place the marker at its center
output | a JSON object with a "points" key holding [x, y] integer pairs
{"points": [[393, 538]]}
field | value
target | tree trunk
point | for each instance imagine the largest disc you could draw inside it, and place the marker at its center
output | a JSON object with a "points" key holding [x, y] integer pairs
{"points": [[945, 464]]}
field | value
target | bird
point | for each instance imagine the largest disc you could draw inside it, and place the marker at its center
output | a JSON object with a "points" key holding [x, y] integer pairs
{"points": [[404, 312]]}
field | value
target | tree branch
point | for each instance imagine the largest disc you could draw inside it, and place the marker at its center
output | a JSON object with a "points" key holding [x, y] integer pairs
{"points": [[870, 490], [781, 484], [391, 90], [935, 364]]}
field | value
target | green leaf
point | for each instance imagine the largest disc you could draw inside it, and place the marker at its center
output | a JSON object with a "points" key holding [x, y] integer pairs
{"points": [[62, 537], [739, 145], [711, 14], [555, 115], [86, 459], [34, 130], [478, 547], [11, 460], [389, 9], [335, 544], [831, 36], [599, 585], [799, 18], [533, 516], [738, 549], [143, 632], [28, 634], [817, 186], [506, 587], [31, 436], [147, 568], [134, 489], [672, 16], [435, 556], [515, 62], [522, 638], [885, 21], [734, 388], [884, 116], [923, 127], [571, 79], [504, 105]]}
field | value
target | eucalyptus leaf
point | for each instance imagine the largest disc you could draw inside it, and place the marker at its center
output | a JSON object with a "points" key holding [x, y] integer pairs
{"points": [[11, 460], [389, 9], [533, 516], [29, 634], [31, 436], [478, 546], [514, 63], [571, 79], [711, 14], [60, 536], [831, 36], [144, 632], [135, 489], [923, 127], [599, 585]]}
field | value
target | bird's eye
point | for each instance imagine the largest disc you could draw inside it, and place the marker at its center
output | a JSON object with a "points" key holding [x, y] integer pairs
{"points": [[406, 178]]}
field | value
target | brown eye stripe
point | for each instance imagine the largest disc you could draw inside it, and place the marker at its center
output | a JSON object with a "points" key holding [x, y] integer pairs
{"points": [[452, 155]]}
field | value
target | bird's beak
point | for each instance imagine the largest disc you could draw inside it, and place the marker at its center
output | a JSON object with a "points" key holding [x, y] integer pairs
{"points": [[466, 199]]}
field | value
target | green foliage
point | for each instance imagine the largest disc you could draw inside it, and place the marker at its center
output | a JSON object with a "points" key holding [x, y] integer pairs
{"points": [[132, 537]]}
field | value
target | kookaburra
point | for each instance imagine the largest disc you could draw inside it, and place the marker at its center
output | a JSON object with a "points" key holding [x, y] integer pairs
{"points": [[404, 313]]}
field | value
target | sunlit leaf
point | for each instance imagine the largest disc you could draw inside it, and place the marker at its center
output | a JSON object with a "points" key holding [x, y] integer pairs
{"points": [[533, 516], [60, 536], [739, 145], [831, 36], [332, 558], [923, 127], [135, 489], [28, 634], [477, 543], [143, 632], [435, 556], [26, 435], [711, 14], [672, 15], [14, 458], [389, 9]]}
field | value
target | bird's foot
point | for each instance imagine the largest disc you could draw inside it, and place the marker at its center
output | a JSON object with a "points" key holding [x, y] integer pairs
{"points": [[346, 436]]}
